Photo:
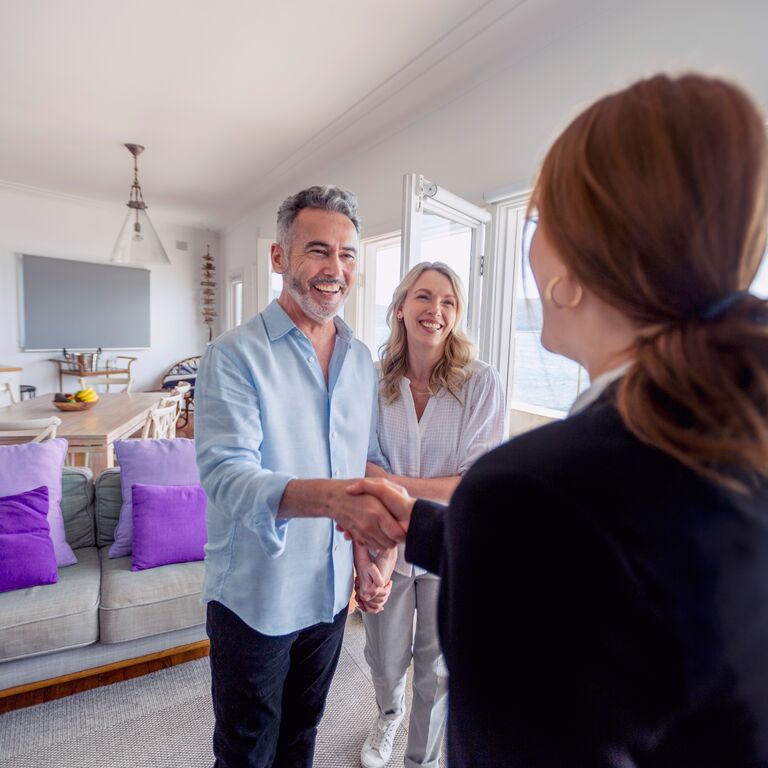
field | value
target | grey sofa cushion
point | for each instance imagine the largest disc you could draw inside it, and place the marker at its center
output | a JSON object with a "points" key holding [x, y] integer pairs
{"points": [[143, 603], [55, 616], [109, 499], [77, 506]]}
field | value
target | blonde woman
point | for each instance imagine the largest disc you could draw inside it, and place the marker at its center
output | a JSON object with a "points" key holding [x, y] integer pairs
{"points": [[439, 411]]}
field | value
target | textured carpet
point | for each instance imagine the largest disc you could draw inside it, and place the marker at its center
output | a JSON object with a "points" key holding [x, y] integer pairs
{"points": [[164, 720]]}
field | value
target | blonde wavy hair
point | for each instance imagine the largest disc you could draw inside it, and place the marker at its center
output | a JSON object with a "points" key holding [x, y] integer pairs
{"points": [[451, 372]]}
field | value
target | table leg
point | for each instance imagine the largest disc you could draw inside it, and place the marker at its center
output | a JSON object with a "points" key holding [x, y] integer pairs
{"points": [[102, 458]]}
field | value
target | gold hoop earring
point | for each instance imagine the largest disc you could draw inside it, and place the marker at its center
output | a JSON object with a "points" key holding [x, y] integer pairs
{"points": [[549, 294]]}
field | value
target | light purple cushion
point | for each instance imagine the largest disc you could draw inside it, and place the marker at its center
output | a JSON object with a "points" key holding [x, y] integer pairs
{"points": [[150, 462], [31, 465], [168, 525], [27, 558]]}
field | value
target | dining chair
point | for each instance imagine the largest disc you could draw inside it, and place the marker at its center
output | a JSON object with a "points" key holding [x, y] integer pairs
{"points": [[176, 399], [182, 373], [7, 389], [107, 381], [161, 422], [36, 430]]}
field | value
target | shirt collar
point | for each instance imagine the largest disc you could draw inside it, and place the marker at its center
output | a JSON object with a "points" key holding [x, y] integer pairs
{"points": [[598, 386], [278, 323]]}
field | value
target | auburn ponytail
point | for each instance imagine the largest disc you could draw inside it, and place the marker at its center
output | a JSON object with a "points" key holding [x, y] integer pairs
{"points": [[699, 392], [656, 198]]}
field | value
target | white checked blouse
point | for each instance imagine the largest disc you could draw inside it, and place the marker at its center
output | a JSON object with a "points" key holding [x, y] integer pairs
{"points": [[451, 435]]}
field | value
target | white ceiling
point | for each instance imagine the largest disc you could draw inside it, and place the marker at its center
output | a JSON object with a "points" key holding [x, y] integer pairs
{"points": [[230, 97]]}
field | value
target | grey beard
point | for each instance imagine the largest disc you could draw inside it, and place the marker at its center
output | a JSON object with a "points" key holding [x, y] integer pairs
{"points": [[305, 301]]}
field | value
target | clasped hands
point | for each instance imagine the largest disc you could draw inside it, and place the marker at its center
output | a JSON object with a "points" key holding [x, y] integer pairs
{"points": [[375, 518]]}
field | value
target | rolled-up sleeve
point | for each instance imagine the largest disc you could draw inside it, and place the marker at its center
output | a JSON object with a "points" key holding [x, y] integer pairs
{"points": [[228, 437]]}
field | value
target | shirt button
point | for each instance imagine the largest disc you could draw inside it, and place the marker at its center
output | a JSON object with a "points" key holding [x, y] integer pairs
{"points": [[336, 473], [333, 434], [310, 359]]}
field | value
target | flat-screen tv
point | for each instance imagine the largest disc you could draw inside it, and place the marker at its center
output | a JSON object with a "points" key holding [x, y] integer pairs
{"points": [[82, 305]]}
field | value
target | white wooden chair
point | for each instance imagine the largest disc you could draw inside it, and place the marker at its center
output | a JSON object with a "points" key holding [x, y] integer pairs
{"points": [[176, 400], [35, 430], [161, 422], [117, 380], [7, 390]]}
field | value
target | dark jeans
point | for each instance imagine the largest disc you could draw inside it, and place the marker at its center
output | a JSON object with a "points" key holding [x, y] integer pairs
{"points": [[269, 692]]}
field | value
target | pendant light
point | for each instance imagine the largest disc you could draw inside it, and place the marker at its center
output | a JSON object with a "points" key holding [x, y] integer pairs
{"points": [[138, 242]]}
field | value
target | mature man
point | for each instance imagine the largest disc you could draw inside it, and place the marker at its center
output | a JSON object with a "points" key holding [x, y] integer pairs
{"points": [[286, 397]]}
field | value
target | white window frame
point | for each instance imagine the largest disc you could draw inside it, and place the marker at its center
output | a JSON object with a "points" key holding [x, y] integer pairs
{"points": [[509, 210], [234, 279], [423, 196], [360, 307]]}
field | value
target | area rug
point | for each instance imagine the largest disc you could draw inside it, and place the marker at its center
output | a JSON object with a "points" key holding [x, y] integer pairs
{"points": [[164, 720]]}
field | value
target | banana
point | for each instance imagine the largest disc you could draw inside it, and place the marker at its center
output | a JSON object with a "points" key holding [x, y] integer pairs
{"points": [[87, 395]]}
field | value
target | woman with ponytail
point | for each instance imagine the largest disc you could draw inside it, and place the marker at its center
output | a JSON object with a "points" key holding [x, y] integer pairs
{"points": [[626, 547]]}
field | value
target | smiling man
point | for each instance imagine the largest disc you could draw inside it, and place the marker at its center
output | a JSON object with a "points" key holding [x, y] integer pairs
{"points": [[285, 410]]}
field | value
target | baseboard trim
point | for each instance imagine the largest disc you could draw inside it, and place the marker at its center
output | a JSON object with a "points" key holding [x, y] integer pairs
{"points": [[57, 687]]}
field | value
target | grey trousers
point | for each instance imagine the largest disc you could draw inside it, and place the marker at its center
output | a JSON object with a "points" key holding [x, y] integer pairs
{"points": [[391, 643]]}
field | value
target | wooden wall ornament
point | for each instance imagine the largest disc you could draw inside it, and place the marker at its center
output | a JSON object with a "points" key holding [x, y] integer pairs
{"points": [[208, 291]]}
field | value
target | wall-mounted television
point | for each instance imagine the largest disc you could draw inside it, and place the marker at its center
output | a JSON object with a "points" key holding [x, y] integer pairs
{"points": [[82, 305]]}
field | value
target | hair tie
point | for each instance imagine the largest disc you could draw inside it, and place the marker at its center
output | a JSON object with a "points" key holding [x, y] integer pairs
{"points": [[718, 308]]}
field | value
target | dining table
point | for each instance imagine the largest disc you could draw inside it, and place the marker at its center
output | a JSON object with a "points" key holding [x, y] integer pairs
{"points": [[93, 432]]}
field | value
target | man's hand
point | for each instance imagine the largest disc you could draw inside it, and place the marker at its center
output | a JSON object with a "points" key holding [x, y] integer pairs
{"points": [[373, 603], [365, 518], [394, 497]]}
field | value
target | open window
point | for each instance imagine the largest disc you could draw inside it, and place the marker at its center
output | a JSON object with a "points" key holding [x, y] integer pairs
{"points": [[440, 226]]}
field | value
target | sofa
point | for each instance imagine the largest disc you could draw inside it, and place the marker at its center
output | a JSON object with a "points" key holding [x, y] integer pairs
{"points": [[100, 612]]}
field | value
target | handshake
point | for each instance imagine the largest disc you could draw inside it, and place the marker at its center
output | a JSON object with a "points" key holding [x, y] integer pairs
{"points": [[373, 513], [377, 520]]}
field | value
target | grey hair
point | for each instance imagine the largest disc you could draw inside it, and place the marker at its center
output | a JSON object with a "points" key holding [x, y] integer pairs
{"points": [[327, 198]]}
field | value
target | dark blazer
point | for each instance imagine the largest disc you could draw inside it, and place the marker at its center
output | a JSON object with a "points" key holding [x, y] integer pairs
{"points": [[601, 606]]}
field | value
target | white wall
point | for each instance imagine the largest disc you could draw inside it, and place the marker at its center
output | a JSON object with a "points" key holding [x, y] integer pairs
{"points": [[495, 135], [59, 227]]}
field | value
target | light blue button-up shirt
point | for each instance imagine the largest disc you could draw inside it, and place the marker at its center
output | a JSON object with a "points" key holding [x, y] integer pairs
{"points": [[263, 417]]}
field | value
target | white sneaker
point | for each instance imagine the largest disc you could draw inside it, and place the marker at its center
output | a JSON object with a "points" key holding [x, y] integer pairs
{"points": [[377, 748]]}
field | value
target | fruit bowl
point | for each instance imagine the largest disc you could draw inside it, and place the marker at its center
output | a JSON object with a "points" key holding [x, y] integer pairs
{"points": [[82, 406]]}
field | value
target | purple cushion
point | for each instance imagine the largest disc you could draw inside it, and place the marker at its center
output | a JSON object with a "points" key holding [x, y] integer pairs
{"points": [[27, 558], [31, 465], [168, 524], [150, 462]]}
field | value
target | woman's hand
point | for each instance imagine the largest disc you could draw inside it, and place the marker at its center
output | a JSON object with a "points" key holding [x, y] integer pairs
{"points": [[374, 470], [386, 560], [372, 587]]}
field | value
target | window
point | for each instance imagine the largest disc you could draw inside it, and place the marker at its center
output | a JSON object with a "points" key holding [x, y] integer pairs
{"points": [[378, 276], [440, 226], [275, 285], [760, 284], [539, 378], [536, 381], [235, 300]]}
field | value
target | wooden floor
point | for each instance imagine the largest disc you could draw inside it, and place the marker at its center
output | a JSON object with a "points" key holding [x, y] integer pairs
{"points": [[58, 687]]}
